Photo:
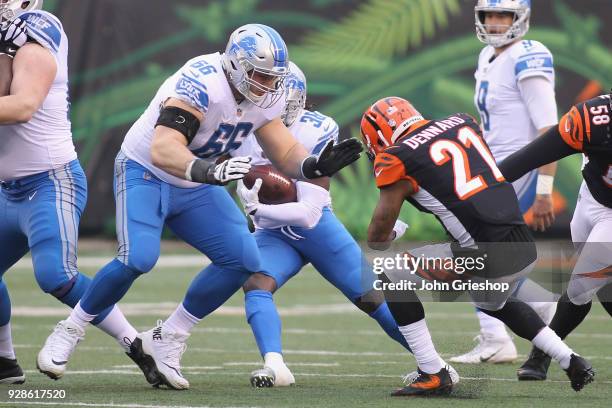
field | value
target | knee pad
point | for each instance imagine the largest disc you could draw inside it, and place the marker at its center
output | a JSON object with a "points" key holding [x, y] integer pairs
{"points": [[51, 276], [141, 258]]}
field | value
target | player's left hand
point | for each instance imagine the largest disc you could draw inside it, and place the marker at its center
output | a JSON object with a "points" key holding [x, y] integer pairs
{"points": [[332, 158], [249, 197], [543, 212], [13, 35]]}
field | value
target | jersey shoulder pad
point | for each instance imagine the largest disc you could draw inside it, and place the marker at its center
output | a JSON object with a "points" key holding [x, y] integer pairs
{"points": [[196, 82], [588, 123], [531, 58], [329, 130], [44, 28], [389, 168]]}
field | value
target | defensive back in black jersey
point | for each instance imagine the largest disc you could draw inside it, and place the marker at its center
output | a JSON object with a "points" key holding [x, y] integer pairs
{"points": [[455, 178], [587, 128]]}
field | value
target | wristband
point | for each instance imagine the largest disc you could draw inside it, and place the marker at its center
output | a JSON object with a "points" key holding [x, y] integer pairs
{"points": [[545, 184], [188, 170]]}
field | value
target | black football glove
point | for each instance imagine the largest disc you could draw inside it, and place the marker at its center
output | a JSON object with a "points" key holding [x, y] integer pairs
{"points": [[13, 35], [332, 158]]}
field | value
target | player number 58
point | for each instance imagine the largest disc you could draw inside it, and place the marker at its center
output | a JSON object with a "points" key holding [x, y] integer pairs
{"points": [[601, 116]]}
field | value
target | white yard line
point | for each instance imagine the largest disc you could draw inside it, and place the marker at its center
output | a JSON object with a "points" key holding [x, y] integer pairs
{"points": [[330, 375], [164, 261], [165, 308]]}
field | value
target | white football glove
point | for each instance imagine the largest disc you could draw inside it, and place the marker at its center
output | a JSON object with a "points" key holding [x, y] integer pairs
{"points": [[399, 228], [249, 198], [232, 169], [13, 35]]}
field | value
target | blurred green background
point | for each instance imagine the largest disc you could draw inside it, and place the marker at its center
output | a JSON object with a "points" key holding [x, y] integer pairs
{"points": [[352, 52]]}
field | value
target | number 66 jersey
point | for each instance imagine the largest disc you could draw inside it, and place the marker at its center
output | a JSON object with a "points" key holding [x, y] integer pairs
{"points": [[202, 84], [455, 177]]}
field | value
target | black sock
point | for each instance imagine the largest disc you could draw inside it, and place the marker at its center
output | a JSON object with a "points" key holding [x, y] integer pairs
{"points": [[568, 316], [404, 305], [520, 318]]}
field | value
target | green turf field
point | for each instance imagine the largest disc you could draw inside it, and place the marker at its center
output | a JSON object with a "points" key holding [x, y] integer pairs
{"points": [[339, 357]]}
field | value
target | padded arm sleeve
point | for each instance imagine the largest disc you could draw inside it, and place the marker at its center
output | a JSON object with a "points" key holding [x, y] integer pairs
{"points": [[545, 149], [306, 212]]}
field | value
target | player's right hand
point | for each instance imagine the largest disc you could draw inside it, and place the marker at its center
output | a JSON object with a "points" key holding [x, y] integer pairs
{"points": [[249, 197], [13, 35], [232, 169]]}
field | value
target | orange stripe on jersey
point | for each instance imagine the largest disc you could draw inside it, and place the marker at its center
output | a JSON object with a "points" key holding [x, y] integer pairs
{"points": [[389, 169], [587, 121], [570, 128]]}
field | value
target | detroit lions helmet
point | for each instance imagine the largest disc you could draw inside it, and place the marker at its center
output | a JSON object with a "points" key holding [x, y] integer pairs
{"points": [[521, 9], [256, 49], [295, 94], [10, 9]]}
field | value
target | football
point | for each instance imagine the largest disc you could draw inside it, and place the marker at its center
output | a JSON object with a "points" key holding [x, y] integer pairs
{"points": [[276, 188]]}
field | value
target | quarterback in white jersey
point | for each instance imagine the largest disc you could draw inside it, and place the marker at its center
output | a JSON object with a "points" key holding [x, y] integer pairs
{"points": [[43, 187], [515, 97], [167, 174]]}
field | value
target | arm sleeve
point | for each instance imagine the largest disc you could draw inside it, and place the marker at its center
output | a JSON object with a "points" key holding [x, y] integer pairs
{"points": [[306, 212], [538, 93], [545, 149]]}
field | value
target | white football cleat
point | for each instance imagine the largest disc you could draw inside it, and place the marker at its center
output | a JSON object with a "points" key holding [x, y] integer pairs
{"points": [[454, 375], [489, 350], [166, 347], [58, 348], [275, 373]]}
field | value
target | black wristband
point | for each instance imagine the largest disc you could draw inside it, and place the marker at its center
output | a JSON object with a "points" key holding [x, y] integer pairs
{"points": [[203, 171]]}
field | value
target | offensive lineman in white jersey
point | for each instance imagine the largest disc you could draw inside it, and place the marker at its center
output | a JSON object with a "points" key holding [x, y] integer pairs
{"points": [[515, 97], [43, 187], [166, 174]]}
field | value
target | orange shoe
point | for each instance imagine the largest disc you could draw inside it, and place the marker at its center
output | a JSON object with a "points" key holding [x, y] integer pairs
{"points": [[427, 384]]}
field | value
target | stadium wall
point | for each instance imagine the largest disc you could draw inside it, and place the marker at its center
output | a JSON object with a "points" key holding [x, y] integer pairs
{"points": [[352, 52]]}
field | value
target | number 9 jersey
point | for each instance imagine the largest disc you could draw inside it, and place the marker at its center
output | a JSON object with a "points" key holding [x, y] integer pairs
{"points": [[455, 177]]}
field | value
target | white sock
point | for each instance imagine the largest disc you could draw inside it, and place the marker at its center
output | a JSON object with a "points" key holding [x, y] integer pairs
{"points": [[273, 359], [548, 341], [492, 327], [181, 321], [79, 318], [6, 342], [530, 291], [418, 338], [116, 325]]}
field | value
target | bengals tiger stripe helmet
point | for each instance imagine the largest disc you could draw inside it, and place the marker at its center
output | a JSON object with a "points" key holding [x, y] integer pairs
{"points": [[385, 121]]}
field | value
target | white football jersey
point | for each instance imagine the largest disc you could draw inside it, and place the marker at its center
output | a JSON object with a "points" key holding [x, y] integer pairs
{"points": [[202, 84], [44, 142], [505, 119], [312, 129]]}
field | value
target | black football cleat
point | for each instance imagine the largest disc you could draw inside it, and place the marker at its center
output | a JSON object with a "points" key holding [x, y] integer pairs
{"points": [[580, 372], [10, 372], [145, 363], [535, 367], [427, 384]]}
